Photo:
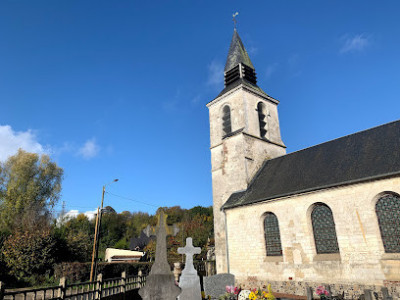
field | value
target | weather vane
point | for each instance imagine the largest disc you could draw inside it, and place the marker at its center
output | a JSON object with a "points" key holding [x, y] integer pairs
{"points": [[234, 18]]}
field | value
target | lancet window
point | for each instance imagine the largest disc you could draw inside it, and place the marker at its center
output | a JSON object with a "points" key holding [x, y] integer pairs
{"points": [[272, 235], [226, 120], [388, 212], [324, 229], [262, 119]]}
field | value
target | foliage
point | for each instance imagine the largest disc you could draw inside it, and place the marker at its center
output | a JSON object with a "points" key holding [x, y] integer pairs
{"points": [[30, 186], [79, 272], [30, 253], [322, 292], [150, 250]]}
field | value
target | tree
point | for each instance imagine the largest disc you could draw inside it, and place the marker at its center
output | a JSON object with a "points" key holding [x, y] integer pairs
{"points": [[30, 253], [30, 186]]}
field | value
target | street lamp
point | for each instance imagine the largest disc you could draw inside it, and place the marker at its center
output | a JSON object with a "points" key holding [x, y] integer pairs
{"points": [[93, 268]]}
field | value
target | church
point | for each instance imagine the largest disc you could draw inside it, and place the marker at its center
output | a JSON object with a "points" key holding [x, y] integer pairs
{"points": [[328, 214]]}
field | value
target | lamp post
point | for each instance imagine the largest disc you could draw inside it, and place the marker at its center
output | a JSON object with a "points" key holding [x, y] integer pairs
{"points": [[93, 268]]}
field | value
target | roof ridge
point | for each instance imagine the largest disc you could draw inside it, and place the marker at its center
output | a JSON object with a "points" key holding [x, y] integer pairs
{"points": [[266, 161], [335, 139]]}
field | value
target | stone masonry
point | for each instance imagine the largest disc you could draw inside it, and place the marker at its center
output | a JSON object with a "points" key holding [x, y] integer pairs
{"points": [[362, 260], [236, 158]]}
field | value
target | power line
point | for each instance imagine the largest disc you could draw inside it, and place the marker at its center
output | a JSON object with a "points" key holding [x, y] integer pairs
{"points": [[130, 199]]}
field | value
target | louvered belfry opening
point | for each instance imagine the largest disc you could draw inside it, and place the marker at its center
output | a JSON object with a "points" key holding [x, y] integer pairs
{"points": [[249, 74], [324, 229], [262, 119], [232, 75], [226, 120], [388, 212], [240, 71]]}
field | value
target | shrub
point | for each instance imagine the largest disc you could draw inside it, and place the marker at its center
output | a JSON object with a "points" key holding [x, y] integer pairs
{"points": [[30, 254]]}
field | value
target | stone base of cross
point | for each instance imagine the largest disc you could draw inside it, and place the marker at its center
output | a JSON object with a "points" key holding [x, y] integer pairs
{"points": [[189, 281]]}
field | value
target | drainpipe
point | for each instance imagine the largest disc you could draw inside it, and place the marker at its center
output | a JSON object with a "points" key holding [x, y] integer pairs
{"points": [[226, 241]]}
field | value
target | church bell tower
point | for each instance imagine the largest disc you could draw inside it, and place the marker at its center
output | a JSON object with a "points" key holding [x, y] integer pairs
{"points": [[244, 132]]}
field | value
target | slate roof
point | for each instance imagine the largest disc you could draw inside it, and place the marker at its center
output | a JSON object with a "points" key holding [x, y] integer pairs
{"points": [[237, 53], [362, 156], [245, 83]]}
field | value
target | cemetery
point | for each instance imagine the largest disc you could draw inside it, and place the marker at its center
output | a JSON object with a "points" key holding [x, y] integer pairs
{"points": [[161, 284]]}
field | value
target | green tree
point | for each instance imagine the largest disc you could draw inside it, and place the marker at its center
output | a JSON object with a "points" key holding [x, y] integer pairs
{"points": [[30, 186], [30, 253]]}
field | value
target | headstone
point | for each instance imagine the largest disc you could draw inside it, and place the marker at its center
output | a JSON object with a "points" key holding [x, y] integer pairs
{"points": [[160, 283], [385, 294], [368, 294], [244, 294], [189, 281], [215, 286]]}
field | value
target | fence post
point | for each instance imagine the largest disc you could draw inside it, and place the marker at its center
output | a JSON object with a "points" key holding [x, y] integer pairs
{"points": [[62, 288], [2, 289], [123, 283], [139, 279], [99, 286]]}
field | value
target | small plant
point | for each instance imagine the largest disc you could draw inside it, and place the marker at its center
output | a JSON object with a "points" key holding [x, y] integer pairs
{"points": [[231, 293], [260, 294], [322, 293]]}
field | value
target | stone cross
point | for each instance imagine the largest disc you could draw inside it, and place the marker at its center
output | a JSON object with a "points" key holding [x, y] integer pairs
{"points": [[189, 251], [160, 284], [189, 281]]}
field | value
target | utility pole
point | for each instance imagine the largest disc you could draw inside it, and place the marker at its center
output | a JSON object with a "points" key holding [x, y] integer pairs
{"points": [[95, 254], [94, 245]]}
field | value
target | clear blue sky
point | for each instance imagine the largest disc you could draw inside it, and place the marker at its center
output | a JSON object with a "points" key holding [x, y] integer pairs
{"points": [[117, 89]]}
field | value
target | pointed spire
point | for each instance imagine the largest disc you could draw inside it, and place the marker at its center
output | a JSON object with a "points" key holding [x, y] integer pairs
{"points": [[237, 53]]}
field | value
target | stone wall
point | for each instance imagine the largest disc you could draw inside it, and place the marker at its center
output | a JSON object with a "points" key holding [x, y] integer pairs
{"points": [[361, 261], [236, 158], [351, 290]]}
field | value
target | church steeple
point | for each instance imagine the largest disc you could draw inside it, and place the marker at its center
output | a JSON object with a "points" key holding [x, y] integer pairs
{"points": [[237, 53], [238, 64], [244, 131]]}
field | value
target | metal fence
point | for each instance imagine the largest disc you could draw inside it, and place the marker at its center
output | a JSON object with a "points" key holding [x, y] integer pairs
{"points": [[106, 289]]}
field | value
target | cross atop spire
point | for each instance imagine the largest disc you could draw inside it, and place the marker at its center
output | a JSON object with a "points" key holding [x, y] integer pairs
{"points": [[234, 19]]}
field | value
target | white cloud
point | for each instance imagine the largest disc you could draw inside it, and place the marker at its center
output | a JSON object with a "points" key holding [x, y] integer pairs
{"points": [[215, 73], [252, 50], [11, 141], [270, 70], [73, 213], [90, 214], [90, 149], [354, 43], [196, 99]]}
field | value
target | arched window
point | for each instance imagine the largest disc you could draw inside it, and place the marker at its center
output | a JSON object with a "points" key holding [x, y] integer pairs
{"points": [[324, 229], [388, 212], [226, 120], [272, 235], [262, 119]]}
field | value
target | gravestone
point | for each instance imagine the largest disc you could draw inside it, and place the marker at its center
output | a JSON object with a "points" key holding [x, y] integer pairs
{"points": [[215, 285], [160, 283], [189, 281]]}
